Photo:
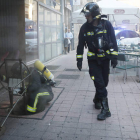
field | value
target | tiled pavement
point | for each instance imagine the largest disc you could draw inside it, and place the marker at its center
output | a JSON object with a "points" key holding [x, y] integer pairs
{"points": [[73, 117]]}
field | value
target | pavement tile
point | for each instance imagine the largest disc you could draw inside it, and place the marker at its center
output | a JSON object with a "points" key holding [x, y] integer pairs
{"points": [[65, 109], [85, 120], [72, 119], [70, 124], [40, 128], [54, 129], [68, 130], [59, 118], [101, 133], [130, 135], [81, 131], [98, 127], [137, 129], [138, 135], [115, 134], [9, 131], [5, 137], [16, 138], [56, 123], [64, 136], [81, 137], [128, 128], [111, 138], [62, 114], [50, 136], [21, 132], [35, 134], [97, 138], [84, 125], [113, 127]]}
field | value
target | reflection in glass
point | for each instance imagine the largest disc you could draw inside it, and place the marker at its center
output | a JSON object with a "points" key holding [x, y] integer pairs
{"points": [[58, 21], [54, 50], [41, 34], [41, 15], [53, 18], [47, 17], [43, 1], [31, 45], [59, 48], [59, 34], [48, 52], [50, 34], [53, 34], [41, 53], [47, 34], [55, 4]]}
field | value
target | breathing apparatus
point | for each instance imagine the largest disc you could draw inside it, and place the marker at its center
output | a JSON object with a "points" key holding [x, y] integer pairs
{"points": [[41, 67]]}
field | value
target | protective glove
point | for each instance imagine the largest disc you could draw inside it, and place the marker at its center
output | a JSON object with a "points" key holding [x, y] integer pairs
{"points": [[79, 65], [114, 63]]}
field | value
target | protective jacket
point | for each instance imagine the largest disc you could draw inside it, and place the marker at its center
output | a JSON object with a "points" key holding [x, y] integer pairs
{"points": [[40, 93], [88, 36]]}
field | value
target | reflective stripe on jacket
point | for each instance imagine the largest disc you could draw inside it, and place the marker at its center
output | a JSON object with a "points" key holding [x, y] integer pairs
{"points": [[33, 108]]}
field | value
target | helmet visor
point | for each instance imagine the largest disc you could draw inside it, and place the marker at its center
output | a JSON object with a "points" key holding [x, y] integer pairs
{"points": [[85, 12]]}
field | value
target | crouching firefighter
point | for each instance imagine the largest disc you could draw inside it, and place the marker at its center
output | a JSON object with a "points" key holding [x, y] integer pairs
{"points": [[99, 36], [39, 91]]}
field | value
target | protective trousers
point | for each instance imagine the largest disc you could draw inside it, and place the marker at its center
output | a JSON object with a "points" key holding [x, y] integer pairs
{"points": [[99, 73]]}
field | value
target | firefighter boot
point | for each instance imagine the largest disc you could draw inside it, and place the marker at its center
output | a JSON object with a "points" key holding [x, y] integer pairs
{"points": [[97, 102], [105, 110]]}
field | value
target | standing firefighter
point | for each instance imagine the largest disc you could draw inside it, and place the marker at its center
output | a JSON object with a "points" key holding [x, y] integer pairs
{"points": [[98, 34]]}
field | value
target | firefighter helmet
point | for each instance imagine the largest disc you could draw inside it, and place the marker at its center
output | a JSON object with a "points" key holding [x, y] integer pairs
{"points": [[92, 9]]}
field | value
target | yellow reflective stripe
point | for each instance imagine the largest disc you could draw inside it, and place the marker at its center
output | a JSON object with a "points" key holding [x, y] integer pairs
{"points": [[114, 53], [108, 52], [40, 72], [104, 31], [37, 96], [30, 109], [90, 33], [79, 56], [101, 55], [98, 16], [92, 78], [90, 53]]}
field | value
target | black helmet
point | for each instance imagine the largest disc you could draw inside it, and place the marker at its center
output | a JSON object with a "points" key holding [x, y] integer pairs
{"points": [[92, 9]]}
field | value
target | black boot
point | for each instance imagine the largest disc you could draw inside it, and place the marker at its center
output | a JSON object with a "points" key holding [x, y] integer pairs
{"points": [[97, 102], [105, 110]]}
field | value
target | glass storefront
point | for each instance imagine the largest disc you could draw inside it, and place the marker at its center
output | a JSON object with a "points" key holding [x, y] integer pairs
{"points": [[43, 41], [50, 34], [31, 34]]}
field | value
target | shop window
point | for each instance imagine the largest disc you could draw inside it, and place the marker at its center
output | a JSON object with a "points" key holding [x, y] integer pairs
{"points": [[31, 34], [48, 52]]}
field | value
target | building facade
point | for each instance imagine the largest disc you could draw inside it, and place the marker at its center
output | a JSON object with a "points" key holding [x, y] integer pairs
{"points": [[33, 29]]}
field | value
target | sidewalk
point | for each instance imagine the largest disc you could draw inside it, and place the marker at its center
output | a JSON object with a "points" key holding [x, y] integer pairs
{"points": [[73, 116]]}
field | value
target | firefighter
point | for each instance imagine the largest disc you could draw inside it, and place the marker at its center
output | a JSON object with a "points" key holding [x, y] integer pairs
{"points": [[98, 35], [40, 93]]}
